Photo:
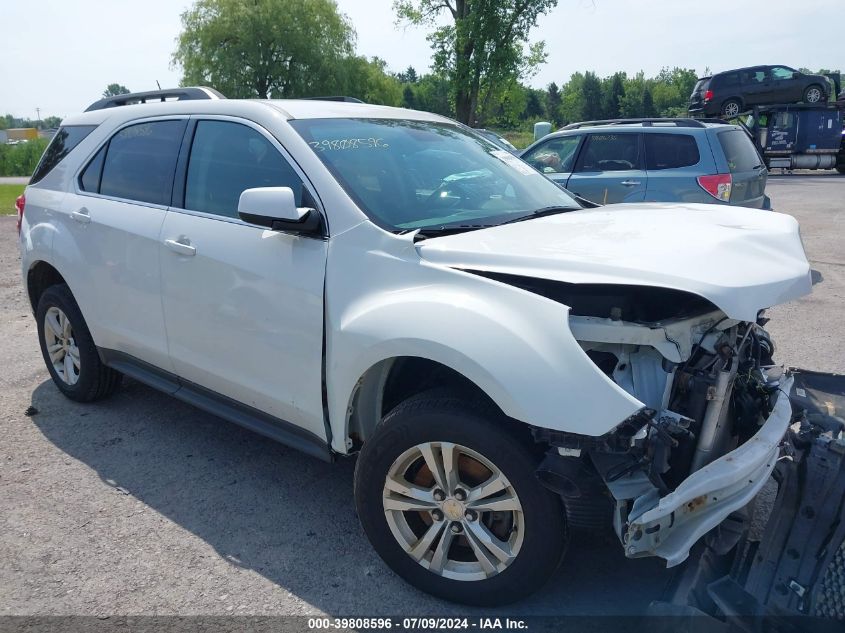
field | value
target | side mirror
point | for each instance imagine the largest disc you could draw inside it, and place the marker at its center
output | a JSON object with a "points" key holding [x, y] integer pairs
{"points": [[275, 208], [796, 75]]}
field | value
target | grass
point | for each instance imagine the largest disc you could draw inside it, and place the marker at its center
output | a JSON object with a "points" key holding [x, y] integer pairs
{"points": [[8, 194]]}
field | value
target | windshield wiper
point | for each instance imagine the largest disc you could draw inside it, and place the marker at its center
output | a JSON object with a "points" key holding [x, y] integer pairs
{"points": [[539, 213], [446, 229]]}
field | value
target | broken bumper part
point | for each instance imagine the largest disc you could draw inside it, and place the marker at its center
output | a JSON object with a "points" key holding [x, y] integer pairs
{"points": [[709, 495]]}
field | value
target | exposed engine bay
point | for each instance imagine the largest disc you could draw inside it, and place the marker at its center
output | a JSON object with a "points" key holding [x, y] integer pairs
{"points": [[709, 386]]}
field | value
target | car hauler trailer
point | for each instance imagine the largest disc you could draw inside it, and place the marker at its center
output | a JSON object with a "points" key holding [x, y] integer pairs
{"points": [[797, 136]]}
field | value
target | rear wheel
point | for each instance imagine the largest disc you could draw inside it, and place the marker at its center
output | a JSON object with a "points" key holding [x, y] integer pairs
{"points": [[69, 350], [449, 499], [731, 108], [813, 94]]}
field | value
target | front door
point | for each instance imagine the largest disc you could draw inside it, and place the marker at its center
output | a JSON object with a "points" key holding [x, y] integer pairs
{"points": [[243, 305], [610, 168]]}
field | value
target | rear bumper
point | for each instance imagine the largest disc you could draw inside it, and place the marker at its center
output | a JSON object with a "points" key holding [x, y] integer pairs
{"points": [[709, 495]]}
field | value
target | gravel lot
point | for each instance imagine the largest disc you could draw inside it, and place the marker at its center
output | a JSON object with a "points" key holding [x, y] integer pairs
{"points": [[144, 505]]}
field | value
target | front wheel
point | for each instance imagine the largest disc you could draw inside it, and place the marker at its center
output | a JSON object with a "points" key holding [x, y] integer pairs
{"points": [[813, 94], [448, 497]]}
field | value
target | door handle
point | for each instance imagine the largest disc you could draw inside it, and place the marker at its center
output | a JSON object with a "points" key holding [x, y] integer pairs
{"points": [[82, 216], [630, 183], [181, 247]]}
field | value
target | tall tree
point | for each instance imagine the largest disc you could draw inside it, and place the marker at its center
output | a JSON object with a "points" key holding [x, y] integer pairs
{"points": [[408, 76], [648, 104], [483, 47], [264, 48], [553, 102], [591, 97], [613, 94], [112, 90]]}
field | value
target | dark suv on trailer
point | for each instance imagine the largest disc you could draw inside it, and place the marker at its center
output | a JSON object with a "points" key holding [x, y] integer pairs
{"points": [[729, 93]]}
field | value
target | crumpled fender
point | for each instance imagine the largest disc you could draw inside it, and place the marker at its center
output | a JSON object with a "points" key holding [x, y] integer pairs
{"points": [[387, 302]]}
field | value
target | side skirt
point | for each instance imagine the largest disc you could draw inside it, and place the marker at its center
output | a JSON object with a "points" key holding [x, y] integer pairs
{"points": [[218, 405]]}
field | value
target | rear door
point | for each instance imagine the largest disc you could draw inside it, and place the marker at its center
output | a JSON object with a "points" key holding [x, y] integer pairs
{"points": [[243, 304], [737, 155], [610, 168], [116, 213], [673, 161], [756, 85]]}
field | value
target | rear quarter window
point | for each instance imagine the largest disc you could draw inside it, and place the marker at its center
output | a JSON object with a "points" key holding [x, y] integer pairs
{"points": [[670, 151], [740, 153], [67, 138]]}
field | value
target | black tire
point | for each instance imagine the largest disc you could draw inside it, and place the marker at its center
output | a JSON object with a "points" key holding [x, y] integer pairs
{"points": [[439, 417], [810, 90], [840, 169], [727, 108], [95, 381]]}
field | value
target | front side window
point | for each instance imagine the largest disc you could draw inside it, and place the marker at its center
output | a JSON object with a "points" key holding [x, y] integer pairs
{"points": [[60, 146], [670, 151], [781, 73], [227, 158], [556, 156], [409, 174], [609, 152], [140, 161]]}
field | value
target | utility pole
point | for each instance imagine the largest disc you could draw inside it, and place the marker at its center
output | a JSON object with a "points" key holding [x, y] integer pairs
{"points": [[38, 112]]}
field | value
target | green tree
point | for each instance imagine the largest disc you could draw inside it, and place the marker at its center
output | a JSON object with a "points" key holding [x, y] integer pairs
{"points": [[112, 90], [591, 98], [433, 94], [648, 104], [369, 81], [264, 48], [408, 76], [408, 99], [482, 49], [614, 90], [553, 102]]}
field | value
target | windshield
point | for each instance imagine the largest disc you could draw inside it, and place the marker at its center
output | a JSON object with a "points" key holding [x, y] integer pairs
{"points": [[423, 174]]}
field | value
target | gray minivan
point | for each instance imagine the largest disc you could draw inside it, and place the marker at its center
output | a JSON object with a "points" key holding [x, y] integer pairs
{"points": [[654, 160]]}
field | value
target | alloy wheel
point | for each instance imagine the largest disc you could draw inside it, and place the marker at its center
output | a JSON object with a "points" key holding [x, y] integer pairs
{"points": [[453, 511], [731, 109], [814, 95], [61, 346]]}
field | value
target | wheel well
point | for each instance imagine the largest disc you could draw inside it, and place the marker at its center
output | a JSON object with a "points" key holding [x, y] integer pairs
{"points": [[394, 380], [40, 277]]}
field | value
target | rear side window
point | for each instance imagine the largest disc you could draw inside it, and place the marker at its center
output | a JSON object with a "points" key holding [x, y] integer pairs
{"points": [[670, 151], [63, 142], [227, 158], [610, 152], [140, 160], [739, 150]]}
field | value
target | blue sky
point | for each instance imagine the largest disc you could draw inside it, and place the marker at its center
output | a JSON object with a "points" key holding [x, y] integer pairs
{"points": [[60, 57]]}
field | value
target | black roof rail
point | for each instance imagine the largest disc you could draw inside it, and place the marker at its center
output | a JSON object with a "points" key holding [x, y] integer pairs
{"points": [[338, 98], [152, 96], [678, 122]]}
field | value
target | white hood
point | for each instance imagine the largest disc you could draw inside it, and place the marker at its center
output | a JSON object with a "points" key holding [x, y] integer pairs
{"points": [[742, 260]]}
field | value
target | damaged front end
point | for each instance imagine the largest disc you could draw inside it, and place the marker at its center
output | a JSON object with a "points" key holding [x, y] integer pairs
{"points": [[707, 439]]}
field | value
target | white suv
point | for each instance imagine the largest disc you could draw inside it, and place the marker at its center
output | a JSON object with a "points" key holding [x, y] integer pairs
{"points": [[354, 279]]}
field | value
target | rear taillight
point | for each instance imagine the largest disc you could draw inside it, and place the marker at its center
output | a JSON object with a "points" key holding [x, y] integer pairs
{"points": [[20, 203], [708, 95], [718, 186]]}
